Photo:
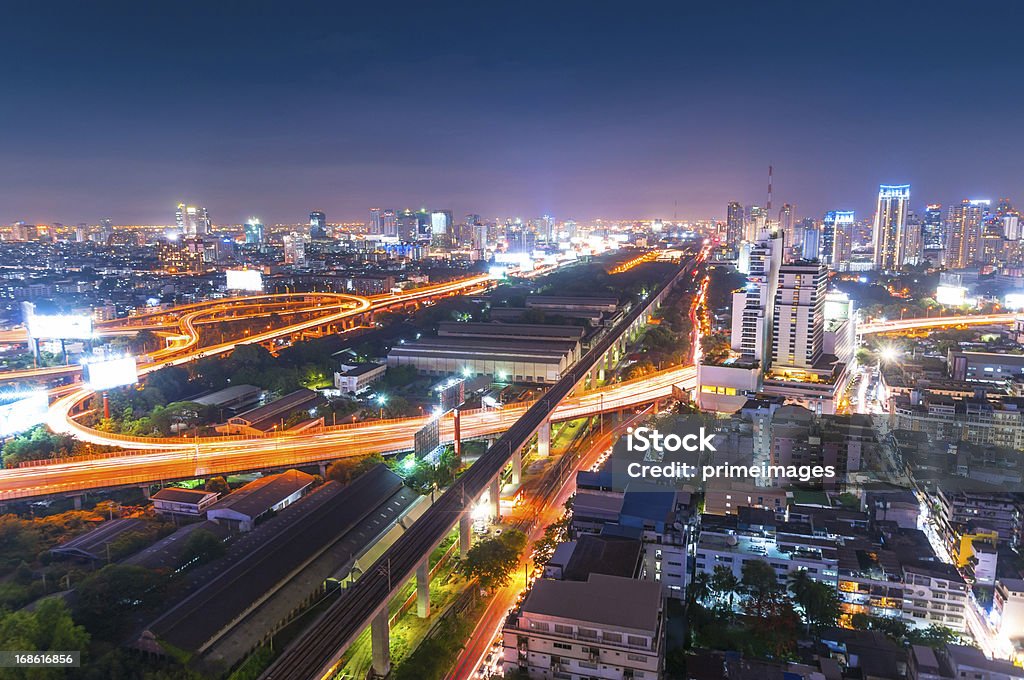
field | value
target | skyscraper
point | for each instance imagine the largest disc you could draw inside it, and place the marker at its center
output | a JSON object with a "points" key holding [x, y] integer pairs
{"points": [[754, 306], [913, 239], [889, 237], [836, 230], [963, 233], [317, 226], [787, 225], [756, 220], [294, 249], [407, 227], [254, 232], [842, 249], [932, 233], [375, 226], [388, 223], [798, 326], [192, 220], [733, 224]]}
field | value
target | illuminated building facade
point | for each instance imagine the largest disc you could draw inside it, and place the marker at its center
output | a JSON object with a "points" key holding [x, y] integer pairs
{"points": [[963, 233], [192, 220], [889, 237]]}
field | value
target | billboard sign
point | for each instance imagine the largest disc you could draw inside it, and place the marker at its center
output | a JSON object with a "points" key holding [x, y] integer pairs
{"points": [[427, 439], [56, 326], [245, 279], [104, 375], [22, 413]]}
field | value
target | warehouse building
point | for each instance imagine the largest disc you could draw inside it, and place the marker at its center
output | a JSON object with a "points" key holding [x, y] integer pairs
{"points": [[501, 359], [240, 510]]}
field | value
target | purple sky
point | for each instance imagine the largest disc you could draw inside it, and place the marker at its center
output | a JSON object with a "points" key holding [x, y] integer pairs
{"points": [[577, 109]]}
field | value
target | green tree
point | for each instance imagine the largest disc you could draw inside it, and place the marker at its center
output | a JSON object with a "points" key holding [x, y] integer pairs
{"points": [[818, 601], [345, 470], [48, 628], [218, 485], [761, 587], [103, 599], [725, 584], [201, 547], [492, 560], [700, 588]]}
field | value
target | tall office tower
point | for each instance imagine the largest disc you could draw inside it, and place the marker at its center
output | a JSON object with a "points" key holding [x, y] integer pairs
{"points": [[798, 326], [836, 239], [549, 229], [375, 225], [1011, 227], [106, 228], [192, 220], [81, 232], [479, 237], [294, 249], [963, 233], [810, 249], [753, 307], [440, 222], [388, 223], [756, 220], [913, 239], [318, 226], [424, 225], [787, 225], [733, 224], [407, 226], [254, 232], [889, 236], [932, 233]]}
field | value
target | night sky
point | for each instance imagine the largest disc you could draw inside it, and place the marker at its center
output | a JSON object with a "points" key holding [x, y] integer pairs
{"points": [[577, 109]]}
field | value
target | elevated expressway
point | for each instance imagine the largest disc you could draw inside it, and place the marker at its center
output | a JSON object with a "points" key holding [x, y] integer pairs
{"points": [[181, 324], [365, 602]]}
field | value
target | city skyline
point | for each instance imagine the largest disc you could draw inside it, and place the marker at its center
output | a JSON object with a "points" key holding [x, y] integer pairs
{"points": [[550, 128]]}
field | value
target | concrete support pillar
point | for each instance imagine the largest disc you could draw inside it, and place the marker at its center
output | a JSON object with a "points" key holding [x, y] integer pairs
{"points": [[323, 470], [544, 439], [517, 467], [465, 535], [495, 499], [146, 492], [423, 589], [380, 644], [78, 502]]}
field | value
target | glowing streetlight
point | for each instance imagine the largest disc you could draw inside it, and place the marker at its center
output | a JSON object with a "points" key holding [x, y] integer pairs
{"points": [[382, 399]]}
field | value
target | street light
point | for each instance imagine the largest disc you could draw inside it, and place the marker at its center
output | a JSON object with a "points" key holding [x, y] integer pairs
{"points": [[382, 399]]}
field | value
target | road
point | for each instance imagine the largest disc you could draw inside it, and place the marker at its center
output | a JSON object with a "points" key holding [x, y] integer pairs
{"points": [[548, 511]]}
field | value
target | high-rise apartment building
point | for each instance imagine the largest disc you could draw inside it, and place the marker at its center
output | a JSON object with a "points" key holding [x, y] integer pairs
{"points": [[913, 239], [733, 224], [294, 249], [388, 223], [317, 226], [799, 316], [963, 233], [753, 307], [254, 232], [836, 239], [787, 225], [932, 232], [756, 220], [842, 249], [375, 225], [889, 238], [192, 220]]}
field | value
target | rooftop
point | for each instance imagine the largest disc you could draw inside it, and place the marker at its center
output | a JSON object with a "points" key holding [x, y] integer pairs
{"points": [[604, 600], [257, 497]]}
